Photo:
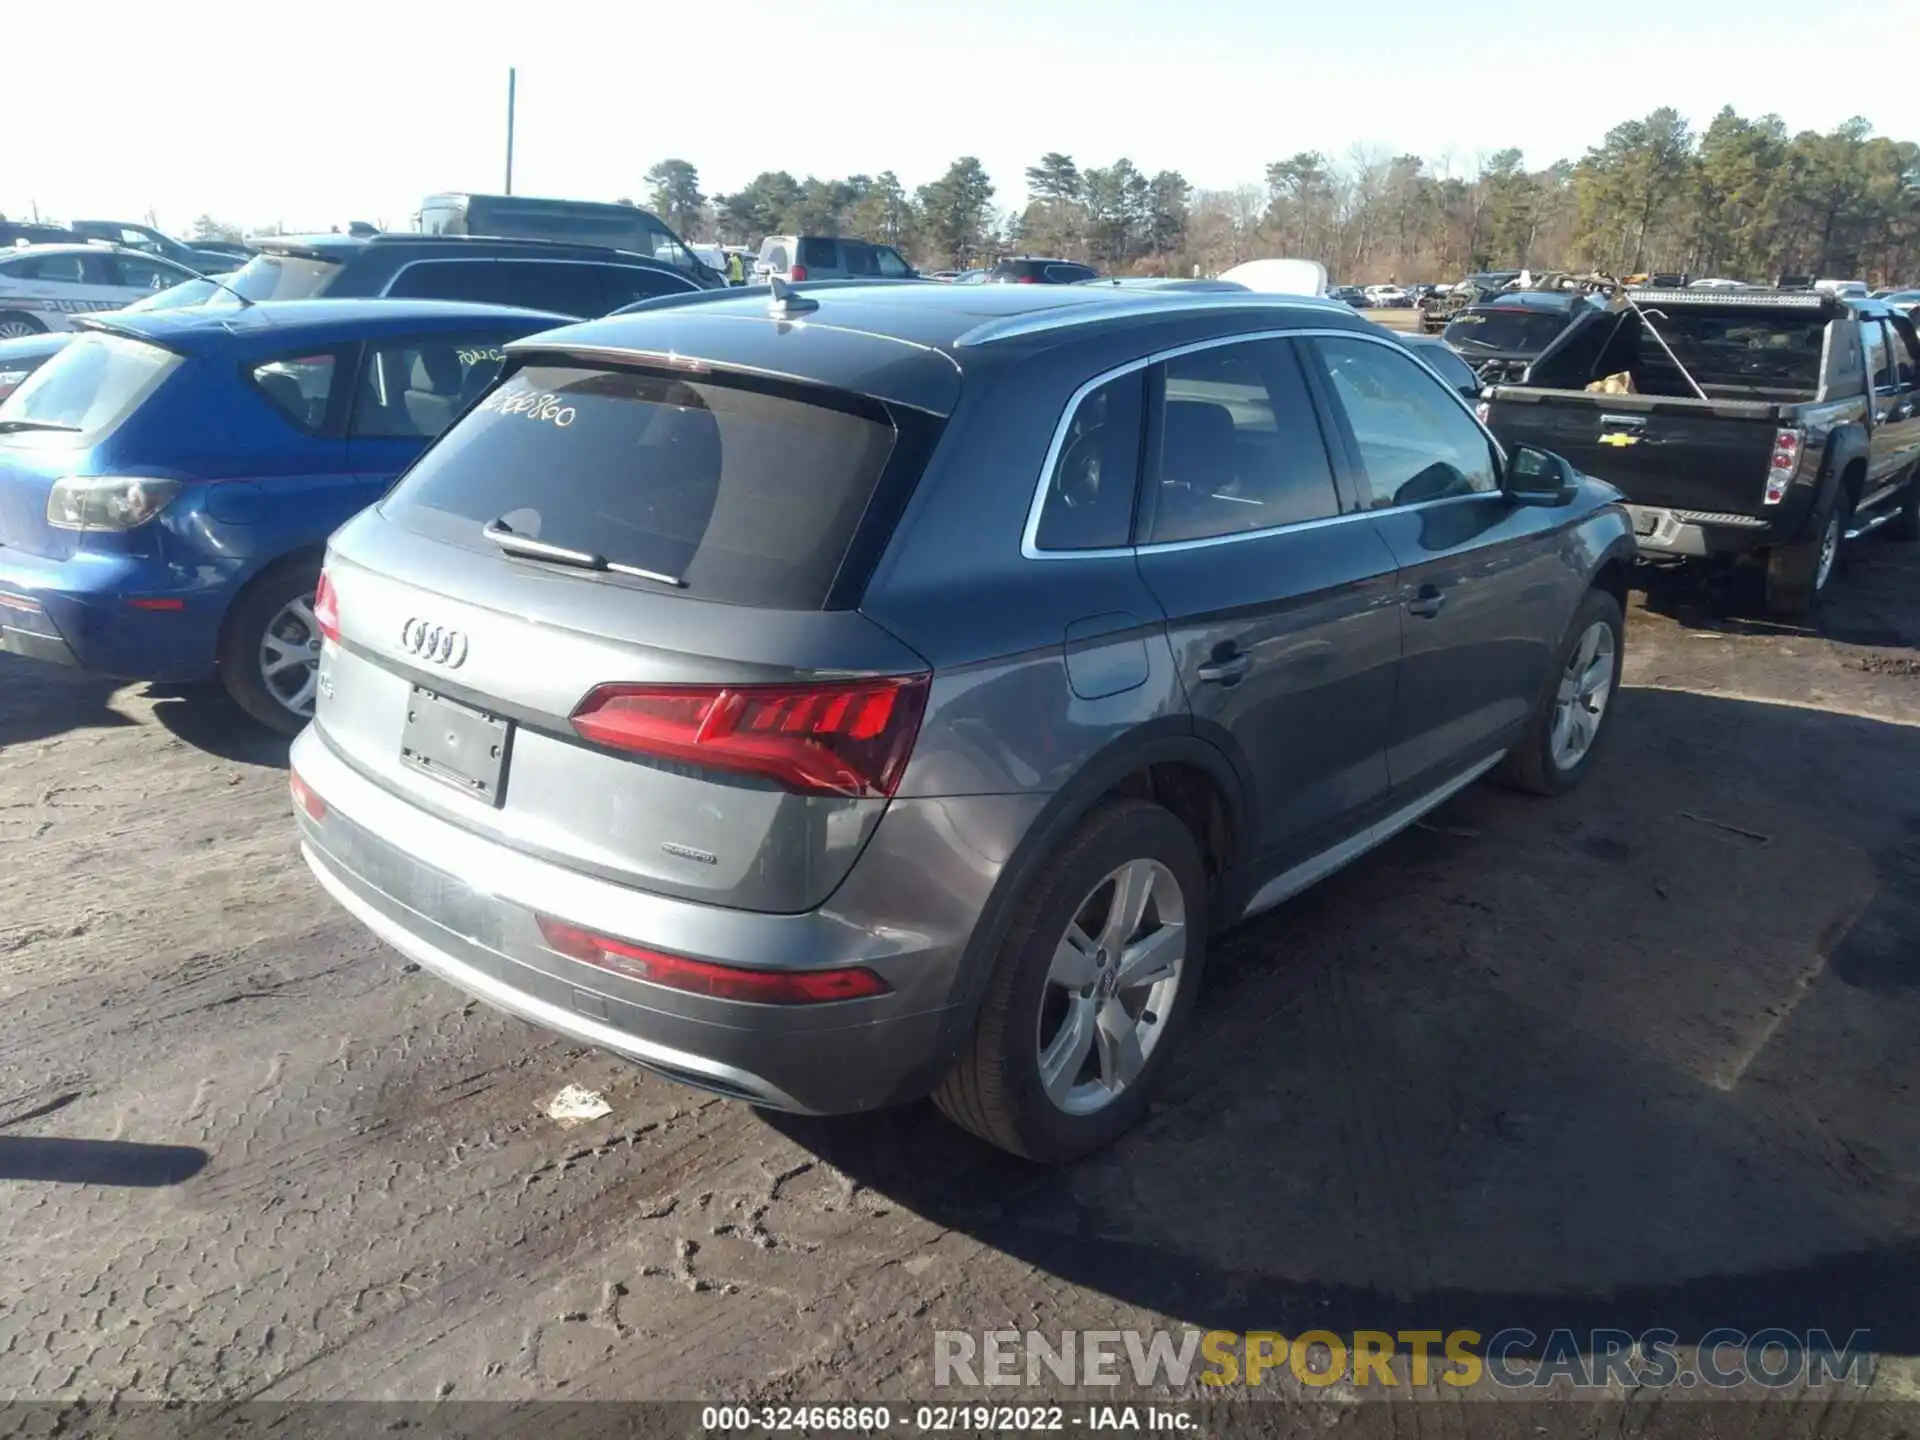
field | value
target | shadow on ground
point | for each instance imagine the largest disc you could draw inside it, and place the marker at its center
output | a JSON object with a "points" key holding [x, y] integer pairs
{"points": [[97, 1162], [205, 717], [1638, 1057], [39, 701], [1868, 603]]}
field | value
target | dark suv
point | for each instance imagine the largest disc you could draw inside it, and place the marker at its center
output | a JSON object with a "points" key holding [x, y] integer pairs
{"points": [[828, 713], [1036, 270], [582, 280]]}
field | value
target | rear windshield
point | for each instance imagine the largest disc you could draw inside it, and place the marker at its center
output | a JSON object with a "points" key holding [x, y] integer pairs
{"points": [[1526, 331], [80, 395], [1779, 351], [749, 497], [275, 277]]}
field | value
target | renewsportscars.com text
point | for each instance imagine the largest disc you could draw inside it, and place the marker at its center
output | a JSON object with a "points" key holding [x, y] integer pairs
{"points": [[1511, 1359]]}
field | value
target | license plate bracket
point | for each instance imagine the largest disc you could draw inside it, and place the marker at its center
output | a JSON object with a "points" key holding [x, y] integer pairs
{"points": [[456, 744]]}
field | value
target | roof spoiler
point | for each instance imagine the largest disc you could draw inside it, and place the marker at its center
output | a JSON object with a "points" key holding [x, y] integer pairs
{"points": [[105, 324]]}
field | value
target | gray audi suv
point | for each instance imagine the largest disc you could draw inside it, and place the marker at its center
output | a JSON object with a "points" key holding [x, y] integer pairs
{"points": [[830, 698]]}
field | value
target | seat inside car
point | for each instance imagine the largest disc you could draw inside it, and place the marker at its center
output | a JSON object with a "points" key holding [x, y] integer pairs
{"points": [[1197, 469], [433, 391]]}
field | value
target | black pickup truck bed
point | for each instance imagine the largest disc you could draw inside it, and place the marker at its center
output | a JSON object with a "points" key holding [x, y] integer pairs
{"points": [[1807, 432]]}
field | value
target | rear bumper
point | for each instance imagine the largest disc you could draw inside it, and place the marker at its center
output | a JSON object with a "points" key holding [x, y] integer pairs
{"points": [[77, 612], [1693, 534], [464, 907]]}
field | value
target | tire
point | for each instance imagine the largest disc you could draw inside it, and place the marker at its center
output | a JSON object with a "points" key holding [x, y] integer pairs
{"points": [[1905, 526], [244, 647], [1540, 763], [16, 326], [996, 1089], [1797, 579]]}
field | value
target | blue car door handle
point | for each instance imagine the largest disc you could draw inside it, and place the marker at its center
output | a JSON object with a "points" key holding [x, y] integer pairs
{"points": [[1427, 601]]}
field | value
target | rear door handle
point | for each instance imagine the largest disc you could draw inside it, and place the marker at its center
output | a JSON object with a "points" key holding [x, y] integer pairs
{"points": [[1427, 601], [1228, 669]]}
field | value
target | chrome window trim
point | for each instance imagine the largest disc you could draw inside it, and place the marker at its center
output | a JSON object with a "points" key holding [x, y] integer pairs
{"points": [[673, 270], [1029, 539]]}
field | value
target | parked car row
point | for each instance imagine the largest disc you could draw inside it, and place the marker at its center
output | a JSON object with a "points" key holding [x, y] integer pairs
{"points": [[205, 257]]}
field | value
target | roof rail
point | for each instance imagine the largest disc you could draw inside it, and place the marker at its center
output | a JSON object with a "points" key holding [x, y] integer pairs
{"points": [[1142, 302]]}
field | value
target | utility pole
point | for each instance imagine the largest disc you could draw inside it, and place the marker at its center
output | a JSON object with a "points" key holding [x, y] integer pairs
{"points": [[511, 76]]}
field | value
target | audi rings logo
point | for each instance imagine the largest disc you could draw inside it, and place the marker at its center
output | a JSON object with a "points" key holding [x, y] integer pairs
{"points": [[433, 643]]}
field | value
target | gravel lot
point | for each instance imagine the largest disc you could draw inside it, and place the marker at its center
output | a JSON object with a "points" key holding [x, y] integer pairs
{"points": [[1641, 1056]]}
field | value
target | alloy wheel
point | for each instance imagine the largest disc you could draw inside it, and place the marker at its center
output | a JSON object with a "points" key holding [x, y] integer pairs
{"points": [[290, 656], [1829, 549], [1581, 701], [1111, 987]]}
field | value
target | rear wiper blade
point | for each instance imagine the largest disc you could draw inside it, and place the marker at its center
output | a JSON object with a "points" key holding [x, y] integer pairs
{"points": [[528, 548], [9, 426]]}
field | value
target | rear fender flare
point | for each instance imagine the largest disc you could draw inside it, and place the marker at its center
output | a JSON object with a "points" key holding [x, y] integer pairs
{"points": [[1845, 444], [1169, 740]]}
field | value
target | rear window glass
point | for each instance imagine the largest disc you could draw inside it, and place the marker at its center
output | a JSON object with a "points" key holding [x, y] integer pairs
{"points": [[85, 391], [276, 277], [747, 497], [1486, 331], [1740, 349]]}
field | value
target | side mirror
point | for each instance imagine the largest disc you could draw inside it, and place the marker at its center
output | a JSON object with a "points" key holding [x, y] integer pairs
{"points": [[1539, 477]]}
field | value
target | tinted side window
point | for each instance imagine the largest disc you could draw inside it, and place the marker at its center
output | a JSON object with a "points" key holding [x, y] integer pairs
{"points": [[446, 280], [1906, 352], [858, 259], [819, 252], [544, 285], [1240, 447], [298, 387], [628, 283], [53, 269], [1090, 491], [1452, 369], [143, 273], [413, 389], [1879, 358], [1415, 441], [1069, 274], [888, 261]]}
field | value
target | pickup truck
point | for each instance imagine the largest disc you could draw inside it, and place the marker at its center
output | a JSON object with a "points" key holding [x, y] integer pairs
{"points": [[1760, 426]]}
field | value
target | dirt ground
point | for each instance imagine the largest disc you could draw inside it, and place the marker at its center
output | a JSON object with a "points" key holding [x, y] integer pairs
{"points": [[1642, 1056]]}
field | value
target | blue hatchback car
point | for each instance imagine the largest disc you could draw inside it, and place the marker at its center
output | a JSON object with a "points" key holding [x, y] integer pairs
{"points": [[169, 480]]}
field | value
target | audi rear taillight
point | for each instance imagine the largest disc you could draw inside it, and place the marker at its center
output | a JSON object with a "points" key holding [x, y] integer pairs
{"points": [[303, 796], [799, 272], [1785, 465], [703, 977], [326, 609], [840, 738]]}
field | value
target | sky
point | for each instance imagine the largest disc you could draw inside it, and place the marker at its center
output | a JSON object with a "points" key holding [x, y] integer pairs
{"points": [[308, 116]]}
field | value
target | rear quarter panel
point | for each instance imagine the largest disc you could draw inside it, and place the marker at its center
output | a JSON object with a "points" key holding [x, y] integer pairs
{"points": [[256, 487], [1039, 664]]}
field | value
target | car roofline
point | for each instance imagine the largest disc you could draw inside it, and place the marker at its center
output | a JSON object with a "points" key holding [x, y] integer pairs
{"points": [[1120, 306]]}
